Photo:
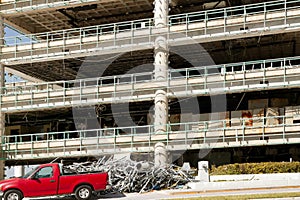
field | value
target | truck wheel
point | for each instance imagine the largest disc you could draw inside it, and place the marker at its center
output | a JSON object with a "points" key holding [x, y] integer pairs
{"points": [[13, 195], [83, 192]]}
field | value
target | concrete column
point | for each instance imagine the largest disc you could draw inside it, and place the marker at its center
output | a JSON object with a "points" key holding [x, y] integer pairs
{"points": [[161, 61], [161, 58], [161, 111], [2, 83], [203, 173], [160, 155], [161, 11]]}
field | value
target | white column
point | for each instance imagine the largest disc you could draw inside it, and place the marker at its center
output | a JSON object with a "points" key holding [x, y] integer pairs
{"points": [[161, 111], [161, 11], [161, 61], [203, 171], [161, 58], [160, 155]]}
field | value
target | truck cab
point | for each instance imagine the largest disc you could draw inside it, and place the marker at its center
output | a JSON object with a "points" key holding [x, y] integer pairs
{"points": [[50, 180]]}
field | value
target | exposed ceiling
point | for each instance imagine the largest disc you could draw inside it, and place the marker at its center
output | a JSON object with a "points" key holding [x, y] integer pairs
{"points": [[81, 16], [141, 109], [274, 46], [116, 11], [104, 12]]}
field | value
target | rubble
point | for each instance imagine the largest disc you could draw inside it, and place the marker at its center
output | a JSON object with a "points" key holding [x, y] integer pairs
{"points": [[131, 176]]}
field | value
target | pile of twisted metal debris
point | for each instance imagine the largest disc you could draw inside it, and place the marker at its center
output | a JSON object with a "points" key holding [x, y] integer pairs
{"points": [[126, 175]]}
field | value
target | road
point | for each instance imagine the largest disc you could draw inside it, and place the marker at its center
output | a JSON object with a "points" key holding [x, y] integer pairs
{"points": [[171, 194]]}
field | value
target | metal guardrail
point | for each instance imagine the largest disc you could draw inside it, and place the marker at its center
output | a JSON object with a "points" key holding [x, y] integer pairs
{"points": [[192, 135], [199, 81], [179, 19], [135, 35]]}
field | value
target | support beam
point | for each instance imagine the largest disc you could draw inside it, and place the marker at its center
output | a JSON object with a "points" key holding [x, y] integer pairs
{"points": [[2, 83]]}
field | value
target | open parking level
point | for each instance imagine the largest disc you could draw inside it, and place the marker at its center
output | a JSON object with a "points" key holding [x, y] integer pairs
{"points": [[181, 83], [182, 136], [205, 26]]}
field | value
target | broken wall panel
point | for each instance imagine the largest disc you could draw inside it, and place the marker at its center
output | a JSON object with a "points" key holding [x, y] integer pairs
{"points": [[257, 117], [242, 117], [270, 116]]}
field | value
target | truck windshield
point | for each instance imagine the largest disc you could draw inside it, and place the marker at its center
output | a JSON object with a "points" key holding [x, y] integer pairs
{"points": [[30, 172]]}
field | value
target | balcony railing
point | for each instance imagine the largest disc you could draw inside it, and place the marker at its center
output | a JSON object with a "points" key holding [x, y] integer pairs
{"points": [[204, 26], [187, 82], [180, 136]]}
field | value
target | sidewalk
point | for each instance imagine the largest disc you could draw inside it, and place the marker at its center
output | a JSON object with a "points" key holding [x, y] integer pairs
{"points": [[248, 181]]}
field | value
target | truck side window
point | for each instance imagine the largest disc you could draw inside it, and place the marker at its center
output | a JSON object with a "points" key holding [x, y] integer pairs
{"points": [[45, 172]]}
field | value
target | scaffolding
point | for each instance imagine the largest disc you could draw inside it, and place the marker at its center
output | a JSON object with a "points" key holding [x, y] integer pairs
{"points": [[205, 26]]}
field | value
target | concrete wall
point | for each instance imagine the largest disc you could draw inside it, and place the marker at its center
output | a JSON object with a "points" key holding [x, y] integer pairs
{"points": [[234, 182]]}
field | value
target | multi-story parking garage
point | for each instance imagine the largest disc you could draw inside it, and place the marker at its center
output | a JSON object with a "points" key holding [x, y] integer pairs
{"points": [[119, 76]]}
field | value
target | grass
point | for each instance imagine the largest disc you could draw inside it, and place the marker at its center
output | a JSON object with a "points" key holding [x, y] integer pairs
{"points": [[246, 197]]}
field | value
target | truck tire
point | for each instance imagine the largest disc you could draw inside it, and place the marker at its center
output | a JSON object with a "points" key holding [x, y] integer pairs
{"points": [[13, 195], [83, 192]]}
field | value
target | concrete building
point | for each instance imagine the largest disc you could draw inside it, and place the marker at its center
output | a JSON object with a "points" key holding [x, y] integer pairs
{"points": [[207, 79]]}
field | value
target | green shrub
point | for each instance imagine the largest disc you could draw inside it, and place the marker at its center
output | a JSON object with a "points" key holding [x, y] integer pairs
{"points": [[256, 168]]}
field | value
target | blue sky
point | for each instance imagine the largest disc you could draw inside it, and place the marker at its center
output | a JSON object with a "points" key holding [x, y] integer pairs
{"points": [[8, 33]]}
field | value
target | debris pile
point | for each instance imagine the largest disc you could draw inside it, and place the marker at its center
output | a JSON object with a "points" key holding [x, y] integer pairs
{"points": [[131, 176]]}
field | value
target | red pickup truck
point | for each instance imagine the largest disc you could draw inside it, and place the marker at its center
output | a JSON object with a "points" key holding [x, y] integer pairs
{"points": [[50, 180]]}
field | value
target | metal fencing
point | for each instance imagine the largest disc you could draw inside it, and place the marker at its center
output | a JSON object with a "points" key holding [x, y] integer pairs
{"points": [[192, 135], [203, 26], [181, 83]]}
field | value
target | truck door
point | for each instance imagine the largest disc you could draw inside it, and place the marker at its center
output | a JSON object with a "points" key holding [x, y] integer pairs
{"points": [[43, 182]]}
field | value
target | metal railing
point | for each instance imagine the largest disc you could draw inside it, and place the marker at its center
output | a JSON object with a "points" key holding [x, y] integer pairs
{"points": [[199, 81], [136, 35], [191, 135]]}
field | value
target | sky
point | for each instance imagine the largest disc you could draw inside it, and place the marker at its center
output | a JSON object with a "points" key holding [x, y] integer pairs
{"points": [[8, 33]]}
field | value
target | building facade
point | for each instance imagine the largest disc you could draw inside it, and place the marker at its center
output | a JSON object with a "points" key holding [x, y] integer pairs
{"points": [[214, 80]]}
